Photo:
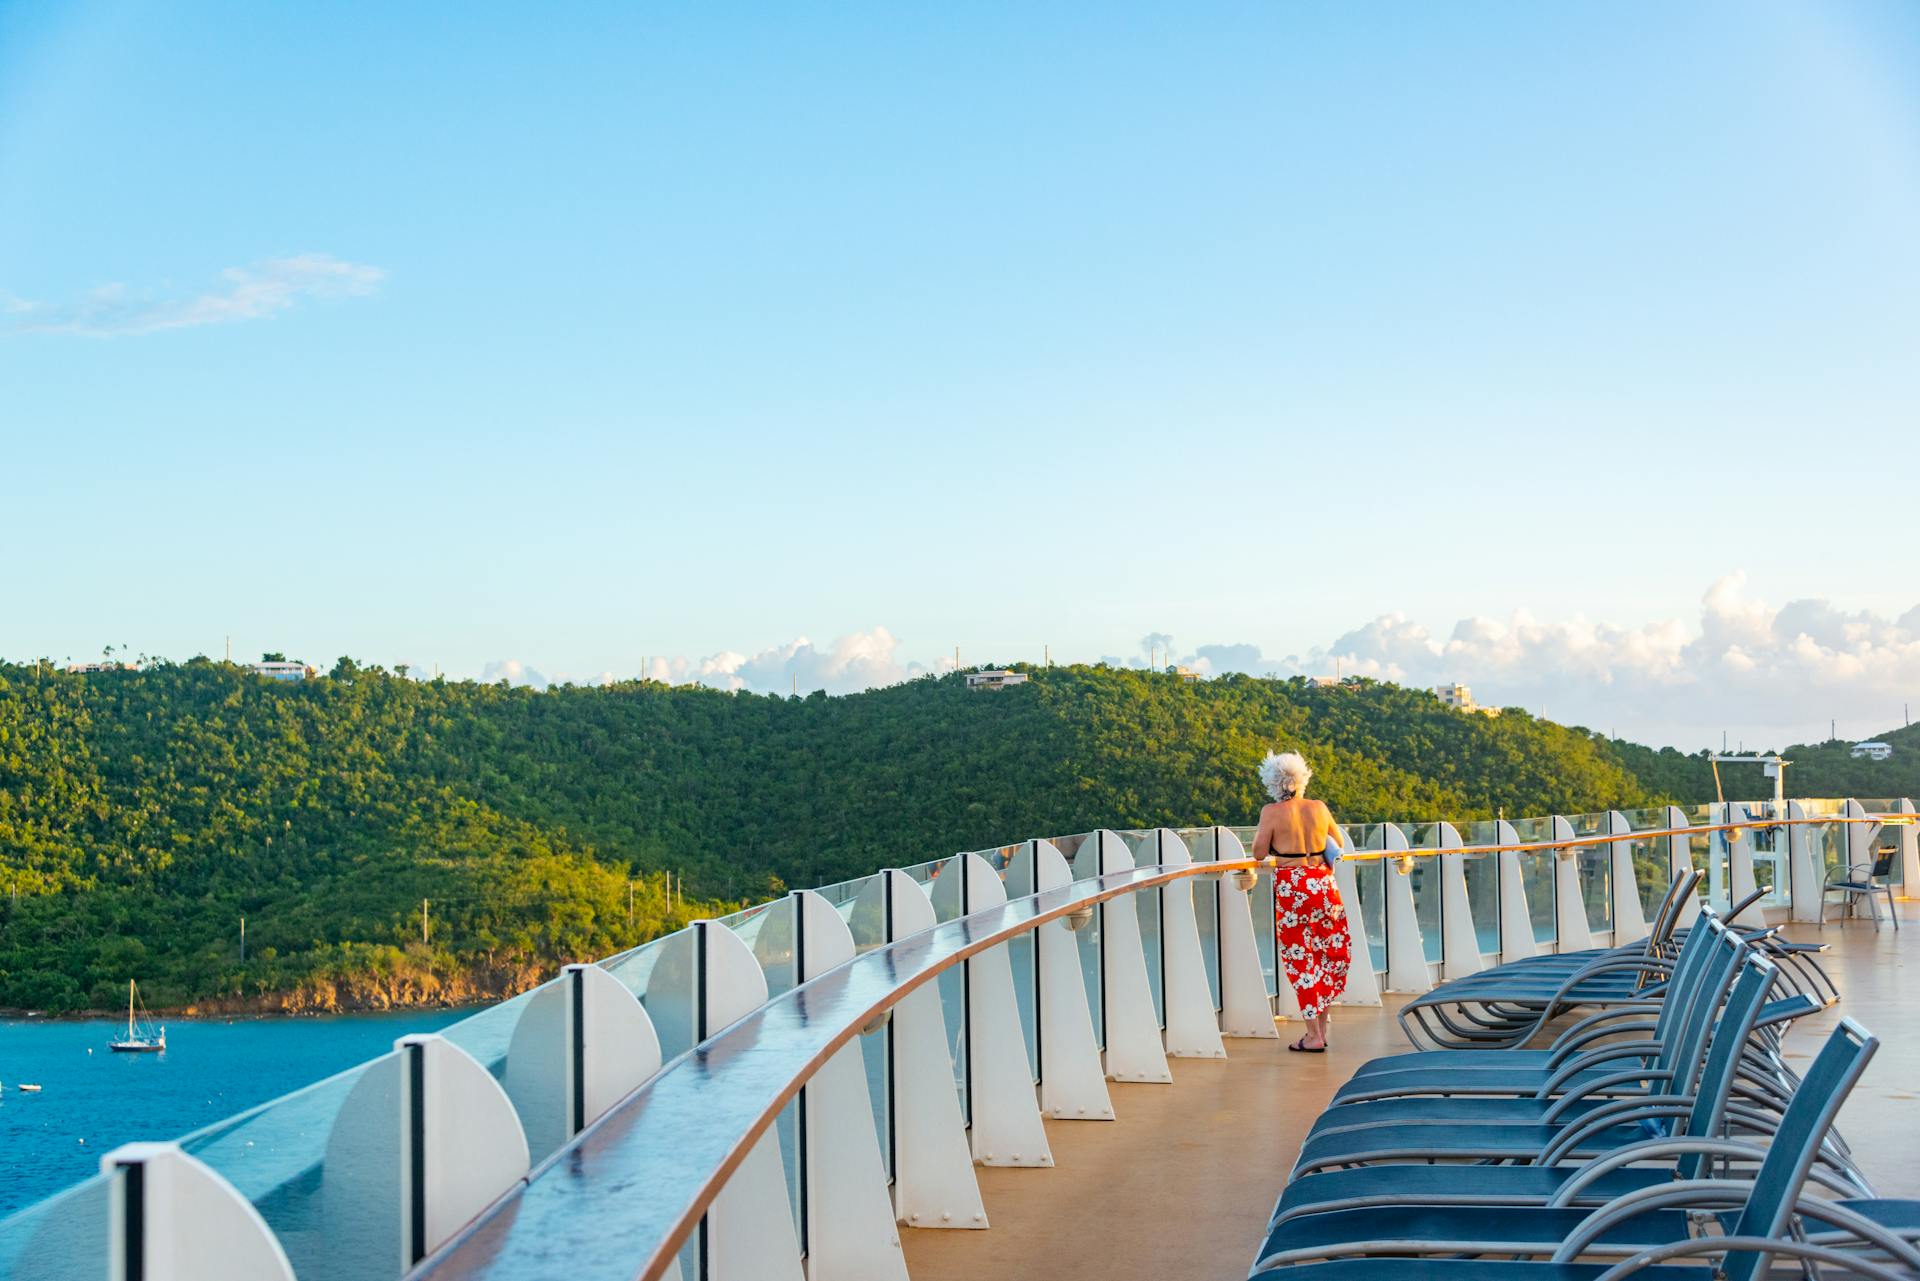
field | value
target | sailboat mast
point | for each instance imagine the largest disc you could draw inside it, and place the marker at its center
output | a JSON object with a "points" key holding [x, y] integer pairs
{"points": [[129, 1009]]}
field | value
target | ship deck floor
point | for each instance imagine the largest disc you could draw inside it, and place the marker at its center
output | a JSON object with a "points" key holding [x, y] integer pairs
{"points": [[1182, 1183]]}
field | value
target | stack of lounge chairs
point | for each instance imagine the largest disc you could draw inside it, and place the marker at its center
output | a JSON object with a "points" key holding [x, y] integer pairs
{"points": [[1661, 1129]]}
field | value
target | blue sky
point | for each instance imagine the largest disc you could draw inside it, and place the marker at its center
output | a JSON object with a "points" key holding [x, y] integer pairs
{"points": [[486, 334]]}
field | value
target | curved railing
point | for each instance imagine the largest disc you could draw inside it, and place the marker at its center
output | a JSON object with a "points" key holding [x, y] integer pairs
{"points": [[790, 1081]]}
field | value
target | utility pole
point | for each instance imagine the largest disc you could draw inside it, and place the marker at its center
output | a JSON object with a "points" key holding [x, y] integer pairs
{"points": [[956, 658], [243, 940], [425, 932], [629, 904], [229, 649], [1047, 652]]}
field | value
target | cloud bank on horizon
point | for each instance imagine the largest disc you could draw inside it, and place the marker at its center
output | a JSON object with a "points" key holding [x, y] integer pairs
{"points": [[246, 293], [1765, 675]]}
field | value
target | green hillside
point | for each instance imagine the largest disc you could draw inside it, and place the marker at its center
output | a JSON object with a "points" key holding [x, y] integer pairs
{"points": [[142, 814]]}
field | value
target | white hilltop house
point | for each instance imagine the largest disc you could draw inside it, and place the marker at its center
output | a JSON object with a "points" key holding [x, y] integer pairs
{"points": [[1874, 751], [995, 678]]}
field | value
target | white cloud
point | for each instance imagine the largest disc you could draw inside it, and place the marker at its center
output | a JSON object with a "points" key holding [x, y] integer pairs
{"points": [[854, 662], [1766, 675], [246, 293]]}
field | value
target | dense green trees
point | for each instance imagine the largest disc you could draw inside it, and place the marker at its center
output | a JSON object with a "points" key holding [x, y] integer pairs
{"points": [[143, 813]]}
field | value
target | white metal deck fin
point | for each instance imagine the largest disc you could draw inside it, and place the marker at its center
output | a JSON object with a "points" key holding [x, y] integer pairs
{"points": [[1629, 919], [1407, 967], [1005, 1126], [1245, 1008], [1073, 1084], [1805, 873], [850, 1226], [933, 1181], [188, 1224], [1571, 931], [1134, 1049], [1459, 937], [1193, 1029], [1516, 918]]}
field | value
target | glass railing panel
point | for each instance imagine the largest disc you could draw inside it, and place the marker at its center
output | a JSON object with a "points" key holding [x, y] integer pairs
{"points": [[1070, 845], [1424, 881], [1370, 880], [771, 933], [322, 1166], [487, 1034], [1770, 847], [1587, 824], [865, 913], [1147, 904], [661, 975], [1141, 842], [534, 1081], [1260, 908], [1595, 866], [66, 1237], [1483, 898], [1024, 960], [1537, 877]]}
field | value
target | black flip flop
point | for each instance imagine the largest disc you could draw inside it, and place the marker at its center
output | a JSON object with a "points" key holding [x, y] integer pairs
{"points": [[1298, 1048]]}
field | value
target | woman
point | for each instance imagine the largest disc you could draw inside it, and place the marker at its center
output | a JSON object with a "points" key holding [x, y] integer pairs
{"points": [[1309, 919]]}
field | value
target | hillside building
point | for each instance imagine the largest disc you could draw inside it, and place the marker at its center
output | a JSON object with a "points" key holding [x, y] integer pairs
{"points": [[1460, 698], [1874, 751], [995, 678], [281, 669]]}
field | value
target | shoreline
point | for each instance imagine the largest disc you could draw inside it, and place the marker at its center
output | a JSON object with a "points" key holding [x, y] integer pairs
{"points": [[211, 1011]]}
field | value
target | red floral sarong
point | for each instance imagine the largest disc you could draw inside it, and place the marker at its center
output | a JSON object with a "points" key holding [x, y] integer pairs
{"points": [[1310, 928]]}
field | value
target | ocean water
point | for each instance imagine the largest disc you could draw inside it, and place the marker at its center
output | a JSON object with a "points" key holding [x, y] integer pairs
{"points": [[91, 1102]]}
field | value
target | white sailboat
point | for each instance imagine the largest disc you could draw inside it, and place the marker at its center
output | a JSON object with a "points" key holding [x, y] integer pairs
{"points": [[139, 1039]]}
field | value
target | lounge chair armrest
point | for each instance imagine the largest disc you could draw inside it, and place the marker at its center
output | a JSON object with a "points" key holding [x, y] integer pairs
{"points": [[1593, 1058], [1572, 1135], [1786, 1009], [1594, 1026], [1697, 1194], [1846, 1259], [1648, 1149], [1608, 1086]]}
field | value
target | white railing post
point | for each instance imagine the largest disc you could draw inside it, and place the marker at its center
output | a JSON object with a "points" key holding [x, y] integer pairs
{"points": [[1134, 1049], [934, 1185], [1571, 931], [1459, 937], [1003, 1113], [1804, 874], [1740, 879], [1407, 968], [1909, 852], [1516, 920], [1680, 863], [1245, 1008], [1629, 918], [850, 1228], [1073, 1084], [1192, 1028], [168, 1218]]}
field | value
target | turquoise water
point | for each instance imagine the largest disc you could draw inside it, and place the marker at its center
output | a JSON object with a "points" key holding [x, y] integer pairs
{"points": [[91, 1103]]}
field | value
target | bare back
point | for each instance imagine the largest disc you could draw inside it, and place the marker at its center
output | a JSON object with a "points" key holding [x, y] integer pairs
{"points": [[1291, 829]]}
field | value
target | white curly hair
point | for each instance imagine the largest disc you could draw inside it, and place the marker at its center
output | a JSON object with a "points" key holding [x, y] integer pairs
{"points": [[1285, 775]]}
